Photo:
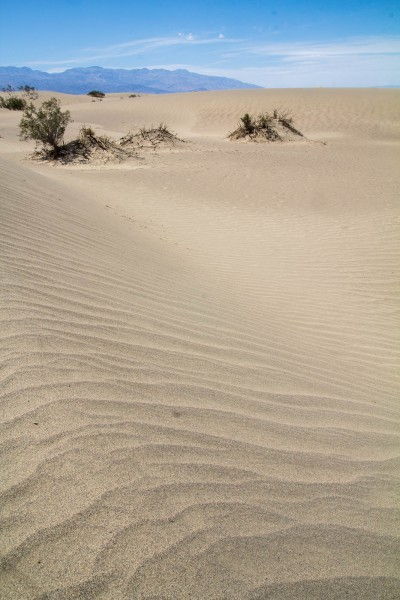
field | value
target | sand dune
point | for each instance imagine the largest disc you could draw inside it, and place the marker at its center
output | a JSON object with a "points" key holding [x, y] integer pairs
{"points": [[200, 378]]}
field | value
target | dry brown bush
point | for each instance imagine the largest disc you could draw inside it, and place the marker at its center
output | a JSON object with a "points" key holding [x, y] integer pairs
{"points": [[152, 137], [275, 127]]}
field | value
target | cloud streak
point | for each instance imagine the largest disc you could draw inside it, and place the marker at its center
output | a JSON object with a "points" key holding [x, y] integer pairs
{"points": [[137, 47], [350, 62], [355, 46]]}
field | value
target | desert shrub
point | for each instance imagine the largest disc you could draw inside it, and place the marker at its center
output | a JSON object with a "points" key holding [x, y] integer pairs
{"points": [[134, 95], [88, 148], [274, 127], [152, 137], [29, 91], [89, 139], [45, 124], [86, 132], [248, 125], [96, 94], [286, 120], [13, 103], [26, 88]]}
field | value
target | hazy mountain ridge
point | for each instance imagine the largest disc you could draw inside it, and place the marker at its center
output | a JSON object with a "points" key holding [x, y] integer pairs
{"points": [[154, 81]]}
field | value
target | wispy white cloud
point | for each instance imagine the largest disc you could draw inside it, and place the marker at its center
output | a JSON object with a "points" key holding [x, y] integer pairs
{"points": [[353, 46], [349, 62], [367, 61], [136, 47], [186, 36], [158, 42], [333, 71], [317, 50]]}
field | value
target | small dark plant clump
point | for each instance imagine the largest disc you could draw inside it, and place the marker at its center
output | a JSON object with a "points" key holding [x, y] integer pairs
{"points": [[134, 95], [152, 138], [8, 89], [46, 125], [275, 127], [96, 94], [13, 103], [247, 124]]}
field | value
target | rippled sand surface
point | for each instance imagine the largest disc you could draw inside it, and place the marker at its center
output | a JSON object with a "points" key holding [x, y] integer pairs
{"points": [[199, 356]]}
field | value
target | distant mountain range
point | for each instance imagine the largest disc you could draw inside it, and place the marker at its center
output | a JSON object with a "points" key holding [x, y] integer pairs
{"points": [[150, 81]]}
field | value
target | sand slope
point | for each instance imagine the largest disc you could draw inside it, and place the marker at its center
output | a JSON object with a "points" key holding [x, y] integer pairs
{"points": [[199, 381]]}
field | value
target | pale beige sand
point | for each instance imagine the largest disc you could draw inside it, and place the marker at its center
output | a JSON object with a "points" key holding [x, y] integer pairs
{"points": [[200, 381]]}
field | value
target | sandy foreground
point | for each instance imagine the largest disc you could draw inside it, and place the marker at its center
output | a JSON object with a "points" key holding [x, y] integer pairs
{"points": [[199, 356]]}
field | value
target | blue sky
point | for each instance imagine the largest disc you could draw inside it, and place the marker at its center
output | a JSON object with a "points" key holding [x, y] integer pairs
{"points": [[274, 44]]}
